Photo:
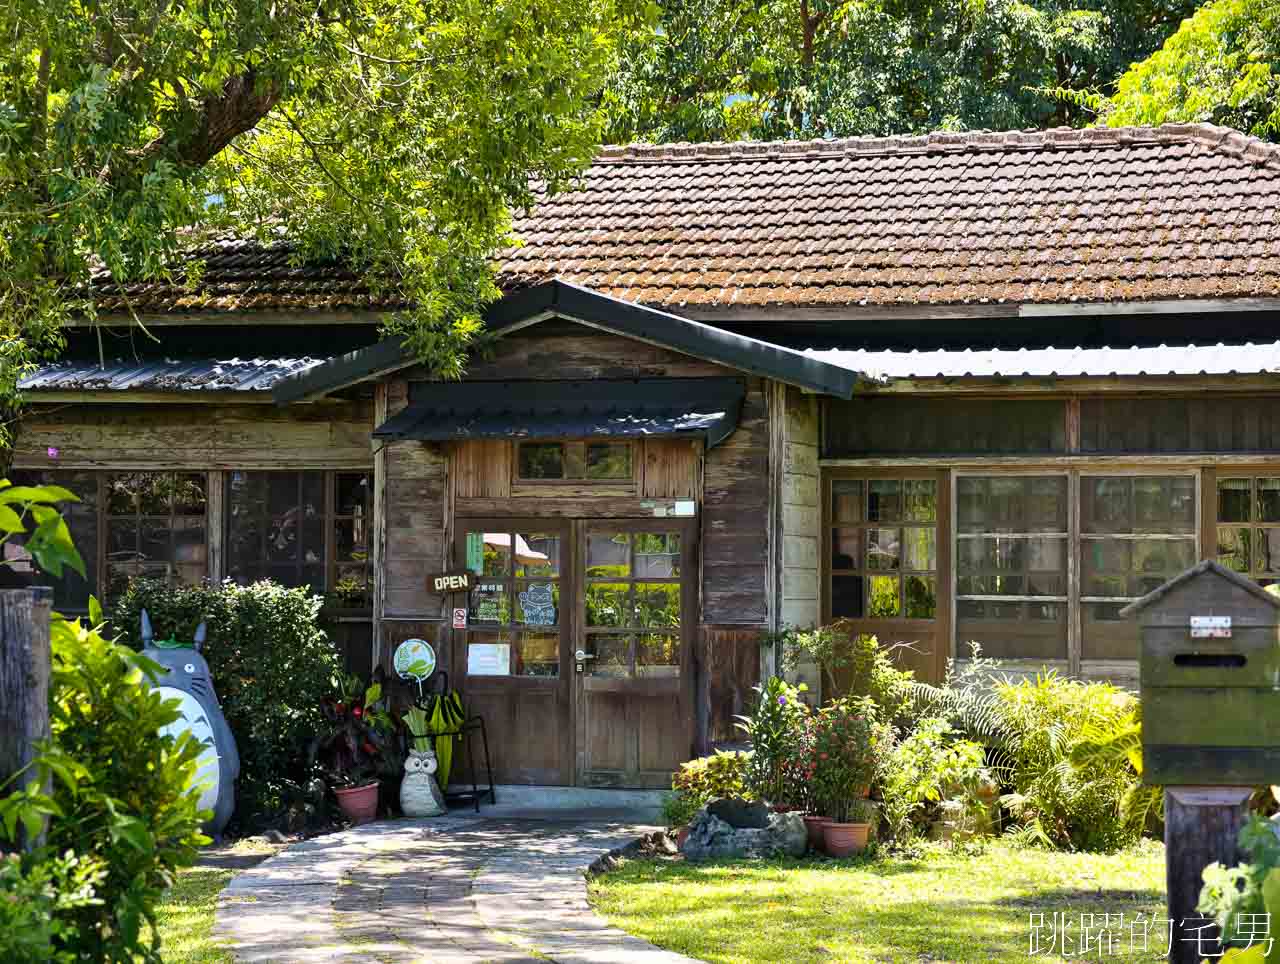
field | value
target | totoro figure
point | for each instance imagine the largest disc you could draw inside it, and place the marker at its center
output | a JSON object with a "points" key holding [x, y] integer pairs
{"points": [[185, 677], [420, 796]]}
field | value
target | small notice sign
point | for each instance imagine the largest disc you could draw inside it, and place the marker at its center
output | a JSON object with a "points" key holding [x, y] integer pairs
{"points": [[1210, 627], [489, 659], [459, 617], [457, 581]]}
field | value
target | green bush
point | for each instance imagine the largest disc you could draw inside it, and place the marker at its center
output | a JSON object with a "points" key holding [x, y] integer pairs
{"points": [[124, 815], [1235, 897], [698, 782], [271, 666], [924, 768], [841, 652], [781, 738], [37, 900]]}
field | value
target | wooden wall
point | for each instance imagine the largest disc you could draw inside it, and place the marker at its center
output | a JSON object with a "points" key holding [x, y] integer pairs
{"points": [[324, 435]]}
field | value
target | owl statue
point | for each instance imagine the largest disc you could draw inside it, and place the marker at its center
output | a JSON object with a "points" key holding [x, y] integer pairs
{"points": [[184, 676], [419, 794]]}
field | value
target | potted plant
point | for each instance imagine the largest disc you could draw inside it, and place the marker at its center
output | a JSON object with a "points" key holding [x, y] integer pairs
{"points": [[847, 735], [850, 836], [352, 747], [777, 731]]}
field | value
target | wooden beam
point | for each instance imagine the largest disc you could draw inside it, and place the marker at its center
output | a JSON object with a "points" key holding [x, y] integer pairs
{"points": [[379, 525]]}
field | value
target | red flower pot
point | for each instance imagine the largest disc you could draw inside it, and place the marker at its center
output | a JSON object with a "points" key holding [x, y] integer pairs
{"points": [[783, 807], [358, 804], [814, 822], [845, 839], [681, 836]]}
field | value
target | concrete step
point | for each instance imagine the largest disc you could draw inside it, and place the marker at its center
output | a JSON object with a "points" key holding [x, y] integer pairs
{"points": [[572, 803]]}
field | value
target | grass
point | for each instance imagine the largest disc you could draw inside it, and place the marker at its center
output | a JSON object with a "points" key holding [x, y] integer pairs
{"points": [[946, 905], [185, 917]]}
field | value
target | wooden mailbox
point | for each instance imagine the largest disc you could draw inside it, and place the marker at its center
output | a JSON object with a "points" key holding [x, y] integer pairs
{"points": [[1210, 676]]}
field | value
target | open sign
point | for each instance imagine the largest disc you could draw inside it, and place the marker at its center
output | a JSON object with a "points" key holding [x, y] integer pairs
{"points": [[459, 581]]}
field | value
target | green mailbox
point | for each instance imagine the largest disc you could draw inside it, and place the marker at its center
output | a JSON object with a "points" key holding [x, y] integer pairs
{"points": [[1210, 677]]}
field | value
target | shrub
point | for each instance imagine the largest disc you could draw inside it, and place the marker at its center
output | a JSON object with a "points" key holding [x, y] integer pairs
{"points": [[37, 898], [125, 816], [698, 782], [780, 742], [1251, 888], [271, 666], [918, 772], [839, 651], [847, 739]]}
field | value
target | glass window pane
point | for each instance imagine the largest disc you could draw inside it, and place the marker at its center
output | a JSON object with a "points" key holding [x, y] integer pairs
{"points": [[537, 554], [846, 548], [920, 551], [608, 604], [846, 500], [353, 493], [1165, 504], [608, 460], [612, 655], [1105, 566], [884, 500], [1233, 500], [1046, 504], [883, 597], [921, 597], [1268, 548], [920, 499], [489, 553], [489, 602], [657, 555], [538, 603], [657, 605], [608, 555], [536, 654], [846, 597], [1233, 548], [1106, 505], [884, 549], [541, 460], [1268, 500], [657, 655]]}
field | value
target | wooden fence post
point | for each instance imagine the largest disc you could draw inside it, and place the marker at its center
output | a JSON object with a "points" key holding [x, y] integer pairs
{"points": [[24, 686], [1200, 826]]}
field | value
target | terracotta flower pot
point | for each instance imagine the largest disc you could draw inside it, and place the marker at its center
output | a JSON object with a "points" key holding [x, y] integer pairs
{"points": [[814, 822], [681, 836], [845, 839], [783, 807], [358, 804]]}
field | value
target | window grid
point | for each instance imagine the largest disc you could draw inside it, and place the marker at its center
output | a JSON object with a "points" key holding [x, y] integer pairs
{"points": [[1248, 526]]}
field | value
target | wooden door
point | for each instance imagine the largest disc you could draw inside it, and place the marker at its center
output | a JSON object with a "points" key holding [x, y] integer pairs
{"points": [[632, 656], [512, 661]]}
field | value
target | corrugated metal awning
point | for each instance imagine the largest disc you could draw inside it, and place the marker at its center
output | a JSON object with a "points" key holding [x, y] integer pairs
{"points": [[166, 375], [1247, 359], [695, 407]]}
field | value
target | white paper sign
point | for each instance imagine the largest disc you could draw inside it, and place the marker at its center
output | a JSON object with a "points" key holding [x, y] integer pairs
{"points": [[489, 659]]}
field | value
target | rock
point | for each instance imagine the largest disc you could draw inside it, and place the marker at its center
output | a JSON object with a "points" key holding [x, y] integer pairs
{"points": [[711, 838], [739, 813], [275, 836]]}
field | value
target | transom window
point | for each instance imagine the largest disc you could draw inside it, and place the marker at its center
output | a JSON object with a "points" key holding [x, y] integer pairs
{"points": [[1249, 526], [884, 544], [577, 461]]}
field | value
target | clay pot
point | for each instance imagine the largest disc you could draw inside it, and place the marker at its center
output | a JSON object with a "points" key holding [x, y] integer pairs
{"points": [[783, 807], [681, 836], [814, 822], [358, 804], [845, 839]]}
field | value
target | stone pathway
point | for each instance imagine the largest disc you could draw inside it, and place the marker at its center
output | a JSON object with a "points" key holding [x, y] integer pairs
{"points": [[456, 890]]}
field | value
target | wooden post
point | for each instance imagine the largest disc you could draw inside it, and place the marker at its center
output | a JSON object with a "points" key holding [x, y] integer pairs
{"points": [[24, 686], [1200, 826]]}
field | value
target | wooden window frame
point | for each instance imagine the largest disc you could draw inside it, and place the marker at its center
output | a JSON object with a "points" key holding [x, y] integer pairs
{"points": [[565, 443], [1253, 474], [106, 517]]}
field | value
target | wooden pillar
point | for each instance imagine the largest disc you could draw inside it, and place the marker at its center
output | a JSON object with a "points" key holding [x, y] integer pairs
{"points": [[24, 685], [1200, 826]]}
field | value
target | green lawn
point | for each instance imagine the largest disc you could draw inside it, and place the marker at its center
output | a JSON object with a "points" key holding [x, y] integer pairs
{"points": [[944, 906], [186, 917]]}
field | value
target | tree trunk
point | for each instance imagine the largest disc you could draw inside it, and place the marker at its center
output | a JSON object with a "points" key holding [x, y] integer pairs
{"points": [[1200, 826], [24, 687]]}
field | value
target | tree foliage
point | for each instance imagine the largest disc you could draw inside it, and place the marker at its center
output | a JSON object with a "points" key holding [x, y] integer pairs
{"points": [[725, 69], [1222, 65], [396, 133]]}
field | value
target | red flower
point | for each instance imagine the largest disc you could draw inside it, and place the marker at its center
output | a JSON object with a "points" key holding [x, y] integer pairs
{"points": [[356, 712], [369, 747], [822, 756]]}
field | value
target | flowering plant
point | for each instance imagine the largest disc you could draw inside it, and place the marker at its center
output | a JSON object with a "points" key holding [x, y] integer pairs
{"points": [[777, 730], [354, 743], [847, 735]]}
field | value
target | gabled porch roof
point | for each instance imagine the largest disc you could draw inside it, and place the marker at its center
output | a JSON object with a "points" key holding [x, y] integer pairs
{"points": [[558, 299]]}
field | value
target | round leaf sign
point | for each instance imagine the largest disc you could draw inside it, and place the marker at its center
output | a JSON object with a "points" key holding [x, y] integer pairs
{"points": [[415, 659]]}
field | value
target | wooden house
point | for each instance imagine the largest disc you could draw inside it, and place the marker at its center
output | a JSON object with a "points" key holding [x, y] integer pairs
{"points": [[967, 387]]}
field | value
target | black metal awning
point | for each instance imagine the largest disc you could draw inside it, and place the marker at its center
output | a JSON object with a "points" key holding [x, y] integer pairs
{"points": [[692, 407]]}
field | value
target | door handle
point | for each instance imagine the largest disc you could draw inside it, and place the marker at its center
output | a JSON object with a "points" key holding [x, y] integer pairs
{"points": [[581, 655]]}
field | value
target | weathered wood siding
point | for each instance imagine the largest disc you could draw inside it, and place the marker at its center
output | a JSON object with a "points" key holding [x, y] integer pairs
{"points": [[328, 435]]}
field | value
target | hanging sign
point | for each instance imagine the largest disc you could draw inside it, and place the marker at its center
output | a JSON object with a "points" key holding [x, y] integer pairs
{"points": [[460, 617], [456, 581], [414, 660]]}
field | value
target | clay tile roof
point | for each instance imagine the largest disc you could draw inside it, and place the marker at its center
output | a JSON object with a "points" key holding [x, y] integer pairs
{"points": [[1017, 217]]}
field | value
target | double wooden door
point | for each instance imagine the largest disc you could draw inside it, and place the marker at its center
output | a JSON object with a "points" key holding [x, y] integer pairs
{"points": [[578, 647]]}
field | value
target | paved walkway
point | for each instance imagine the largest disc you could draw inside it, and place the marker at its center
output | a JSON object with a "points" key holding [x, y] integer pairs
{"points": [[455, 890]]}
